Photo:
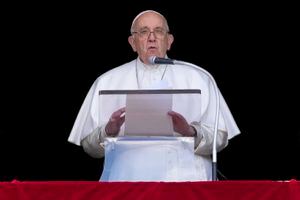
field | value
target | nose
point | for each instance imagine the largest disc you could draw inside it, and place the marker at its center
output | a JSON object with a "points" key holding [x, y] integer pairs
{"points": [[152, 35]]}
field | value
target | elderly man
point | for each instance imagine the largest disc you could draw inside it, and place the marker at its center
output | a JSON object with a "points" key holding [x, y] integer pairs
{"points": [[183, 158]]}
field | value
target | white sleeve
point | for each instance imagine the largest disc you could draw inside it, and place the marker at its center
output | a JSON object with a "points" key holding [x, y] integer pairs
{"points": [[204, 139], [93, 144]]}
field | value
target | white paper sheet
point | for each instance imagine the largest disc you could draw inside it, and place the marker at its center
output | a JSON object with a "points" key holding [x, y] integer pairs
{"points": [[147, 115]]}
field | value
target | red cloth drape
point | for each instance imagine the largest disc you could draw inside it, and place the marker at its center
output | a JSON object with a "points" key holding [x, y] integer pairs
{"points": [[242, 190]]}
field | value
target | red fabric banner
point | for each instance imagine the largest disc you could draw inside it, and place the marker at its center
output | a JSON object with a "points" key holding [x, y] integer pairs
{"points": [[242, 190]]}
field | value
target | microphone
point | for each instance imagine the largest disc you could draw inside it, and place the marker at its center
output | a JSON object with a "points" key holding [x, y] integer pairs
{"points": [[156, 60]]}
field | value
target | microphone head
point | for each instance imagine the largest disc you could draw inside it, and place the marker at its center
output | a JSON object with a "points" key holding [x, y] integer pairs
{"points": [[154, 60], [151, 60]]}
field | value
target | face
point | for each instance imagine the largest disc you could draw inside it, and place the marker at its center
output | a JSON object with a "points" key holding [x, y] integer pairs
{"points": [[155, 43]]}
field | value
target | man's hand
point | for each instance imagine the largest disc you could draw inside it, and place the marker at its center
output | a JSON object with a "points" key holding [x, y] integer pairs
{"points": [[115, 122], [181, 125]]}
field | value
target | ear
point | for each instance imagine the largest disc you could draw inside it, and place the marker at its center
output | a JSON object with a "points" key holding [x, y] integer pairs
{"points": [[170, 40], [131, 42]]}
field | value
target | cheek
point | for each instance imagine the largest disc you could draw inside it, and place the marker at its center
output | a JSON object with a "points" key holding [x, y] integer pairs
{"points": [[140, 46], [164, 46], [143, 47]]}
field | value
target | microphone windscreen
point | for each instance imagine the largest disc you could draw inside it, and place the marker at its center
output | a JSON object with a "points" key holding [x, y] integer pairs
{"points": [[151, 60]]}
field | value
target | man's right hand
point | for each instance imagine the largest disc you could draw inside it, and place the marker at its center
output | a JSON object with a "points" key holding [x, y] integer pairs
{"points": [[115, 122]]}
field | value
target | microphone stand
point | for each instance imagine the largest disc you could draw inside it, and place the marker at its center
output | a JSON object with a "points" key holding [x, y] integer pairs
{"points": [[214, 150]]}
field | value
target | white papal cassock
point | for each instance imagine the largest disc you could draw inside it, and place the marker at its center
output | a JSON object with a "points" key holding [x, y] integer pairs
{"points": [[155, 158]]}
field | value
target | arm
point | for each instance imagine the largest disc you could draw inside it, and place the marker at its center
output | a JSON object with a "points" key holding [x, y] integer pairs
{"points": [[203, 134], [204, 139], [181, 126], [93, 144]]}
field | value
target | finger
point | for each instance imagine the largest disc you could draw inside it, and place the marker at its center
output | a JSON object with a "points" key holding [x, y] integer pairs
{"points": [[121, 111], [118, 113], [175, 115], [171, 112], [122, 119]]}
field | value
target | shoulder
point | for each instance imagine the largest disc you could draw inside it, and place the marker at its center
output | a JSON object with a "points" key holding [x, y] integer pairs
{"points": [[190, 70], [115, 77], [119, 71]]}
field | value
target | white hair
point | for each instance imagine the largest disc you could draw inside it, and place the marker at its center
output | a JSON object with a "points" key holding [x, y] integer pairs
{"points": [[148, 11]]}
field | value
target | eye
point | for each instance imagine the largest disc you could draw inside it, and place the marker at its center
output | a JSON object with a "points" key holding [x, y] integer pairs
{"points": [[159, 31], [144, 32]]}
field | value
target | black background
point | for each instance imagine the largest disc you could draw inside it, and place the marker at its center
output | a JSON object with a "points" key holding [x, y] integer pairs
{"points": [[52, 53]]}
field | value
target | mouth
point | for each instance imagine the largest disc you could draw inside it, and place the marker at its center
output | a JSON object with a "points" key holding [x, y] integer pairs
{"points": [[152, 48]]}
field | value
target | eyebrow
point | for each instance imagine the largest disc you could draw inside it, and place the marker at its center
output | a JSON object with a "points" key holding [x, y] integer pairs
{"points": [[146, 27]]}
